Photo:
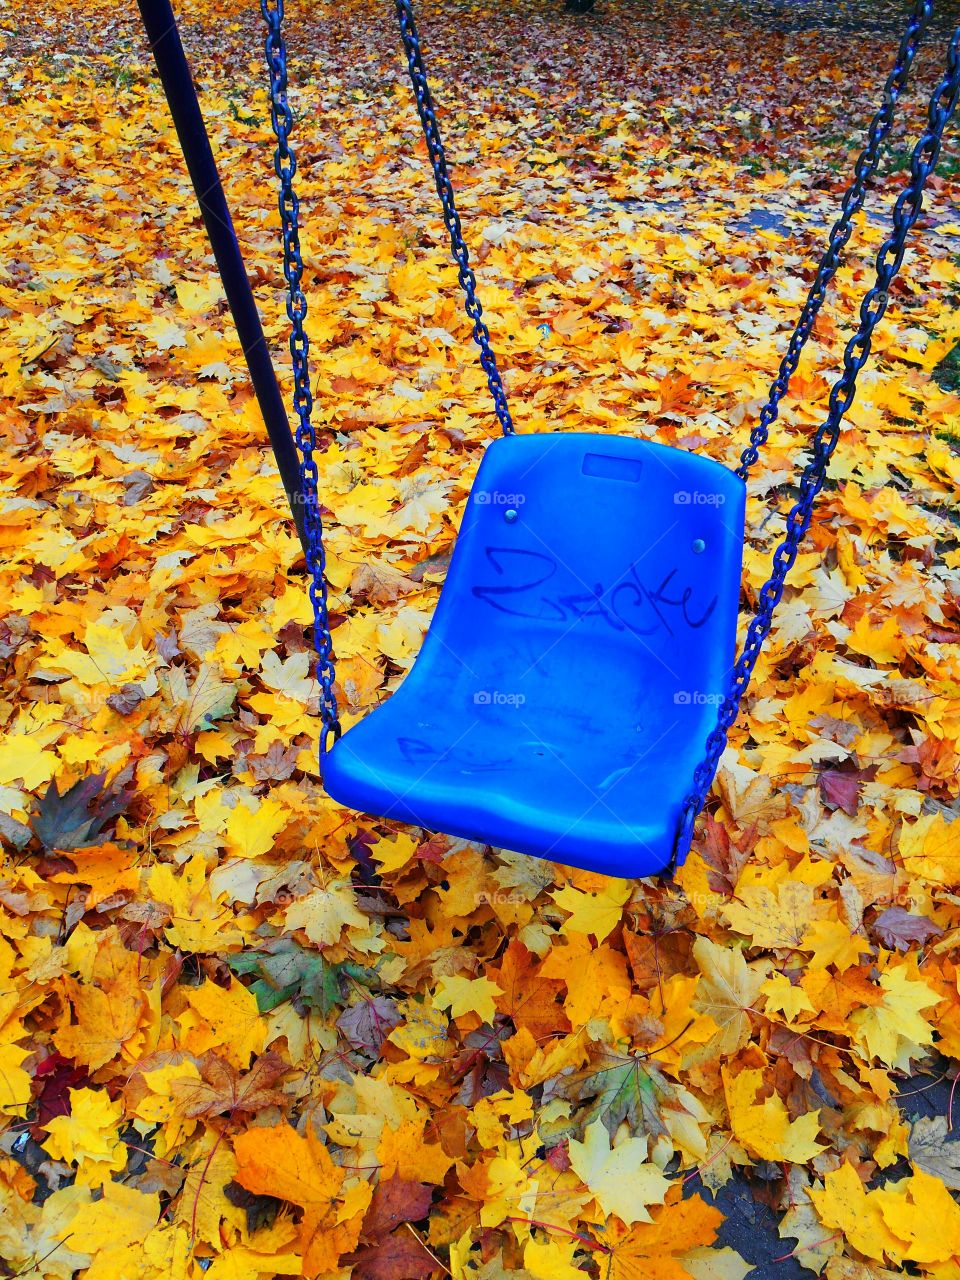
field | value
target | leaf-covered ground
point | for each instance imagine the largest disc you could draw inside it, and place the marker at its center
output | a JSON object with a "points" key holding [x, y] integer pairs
{"points": [[247, 1033]]}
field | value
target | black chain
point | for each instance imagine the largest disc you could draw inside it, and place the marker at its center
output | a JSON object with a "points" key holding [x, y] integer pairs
{"points": [[441, 177], [285, 164], [856, 353], [853, 199]]}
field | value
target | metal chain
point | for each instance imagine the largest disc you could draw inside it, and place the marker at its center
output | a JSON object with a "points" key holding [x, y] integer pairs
{"points": [[856, 353], [441, 177], [285, 164], [854, 196]]}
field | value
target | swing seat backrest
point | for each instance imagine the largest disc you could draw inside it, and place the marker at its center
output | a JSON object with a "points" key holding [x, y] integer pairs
{"points": [[582, 644]]}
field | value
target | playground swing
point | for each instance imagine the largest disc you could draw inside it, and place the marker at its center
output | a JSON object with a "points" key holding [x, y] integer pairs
{"points": [[574, 692]]}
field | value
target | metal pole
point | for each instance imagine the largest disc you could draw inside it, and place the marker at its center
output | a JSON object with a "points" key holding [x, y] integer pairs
{"points": [[181, 94]]}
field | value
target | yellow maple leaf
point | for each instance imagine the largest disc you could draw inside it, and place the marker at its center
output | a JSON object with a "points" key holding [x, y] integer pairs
{"points": [[228, 1020], [915, 1217], [551, 1260], [774, 917], [424, 1033], [593, 913], [15, 1093], [921, 1212], [325, 913], [894, 1031], [109, 659], [199, 923], [884, 644], [467, 995], [24, 758], [622, 1179], [930, 847], [832, 943], [394, 853], [251, 831], [290, 677], [87, 1137], [765, 1128], [784, 997], [110, 1227]]}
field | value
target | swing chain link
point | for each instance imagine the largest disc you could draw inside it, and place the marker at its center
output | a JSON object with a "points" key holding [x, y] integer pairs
{"points": [[856, 353], [853, 199], [285, 164], [451, 218]]}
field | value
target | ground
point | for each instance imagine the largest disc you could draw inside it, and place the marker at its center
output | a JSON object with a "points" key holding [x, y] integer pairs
{"points": [[249, 1033]]}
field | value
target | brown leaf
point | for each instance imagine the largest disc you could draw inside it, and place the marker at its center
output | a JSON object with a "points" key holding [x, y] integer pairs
{"points": [[379, 584], [224, 1089], [396, 1200], [399, 1255], [725, 858], [414, 457], [276, 764]]}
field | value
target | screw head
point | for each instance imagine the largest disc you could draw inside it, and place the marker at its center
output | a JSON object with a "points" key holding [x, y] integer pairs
{"points": [[510, 515], [698, 546]]}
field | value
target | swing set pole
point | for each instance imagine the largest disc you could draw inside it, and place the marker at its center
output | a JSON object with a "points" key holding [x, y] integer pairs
{"points": [[181, 94]]}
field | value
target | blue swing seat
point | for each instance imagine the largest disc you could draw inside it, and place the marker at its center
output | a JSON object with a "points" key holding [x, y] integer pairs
{"points": [[583, 640]]}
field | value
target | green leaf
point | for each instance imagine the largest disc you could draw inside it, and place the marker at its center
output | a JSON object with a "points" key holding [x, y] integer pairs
{"points": [[616, 1089], [288, 971]]}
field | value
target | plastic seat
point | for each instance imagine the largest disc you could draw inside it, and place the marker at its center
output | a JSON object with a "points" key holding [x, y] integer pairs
{"points": [[582, 642]]}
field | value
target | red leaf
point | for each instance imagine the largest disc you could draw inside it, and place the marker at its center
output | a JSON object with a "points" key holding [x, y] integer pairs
{"points": [[59, 1076]]}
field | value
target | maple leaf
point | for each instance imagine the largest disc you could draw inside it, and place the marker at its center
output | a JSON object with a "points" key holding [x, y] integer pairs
{"points": [[396, 1200], [895, 1030], [764, 1128], [526, 997], [86, 1137], [593, 913], [107, 1012], [288, 971], [400, 1254], [897, 928], [325, 913], [656, 1250], [614, 1090], [198, 705], [222, 1088], [467, 995], [79, 817], [727, 991], [278, 1162], [914, 1217], [622, 1179], [933, 1150], [368, 1023]]}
